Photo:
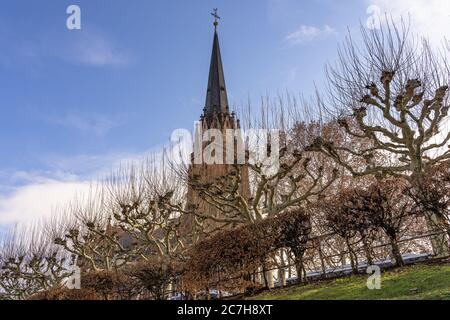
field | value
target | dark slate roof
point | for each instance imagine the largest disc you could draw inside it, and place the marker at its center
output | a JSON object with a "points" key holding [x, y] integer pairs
{"points": [[216, 96]]}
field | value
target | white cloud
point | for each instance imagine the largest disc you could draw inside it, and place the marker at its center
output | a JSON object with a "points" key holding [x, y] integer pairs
{"points": [[34, 201], [306, 34], [430, 18], [29, 196]]}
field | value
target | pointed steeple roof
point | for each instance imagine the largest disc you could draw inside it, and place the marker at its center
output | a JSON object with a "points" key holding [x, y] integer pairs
{"points": [[216, 96]]}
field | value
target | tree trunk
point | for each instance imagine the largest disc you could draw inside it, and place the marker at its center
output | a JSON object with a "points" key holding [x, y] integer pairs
{"points": [[298, 261], [435, 223], [264, 273], [353, 258], [396, 252], [300, 269], [270, 283], [257, 277], [367, 251], [282, 270], [322, 260], [282, 276], [439, 242]]}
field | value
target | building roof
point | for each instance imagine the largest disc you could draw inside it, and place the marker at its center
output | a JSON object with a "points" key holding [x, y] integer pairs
{"points": [[216, 96]]}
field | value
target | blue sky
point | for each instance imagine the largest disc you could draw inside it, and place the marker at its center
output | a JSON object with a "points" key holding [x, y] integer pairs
{"points": [[74, 103]]}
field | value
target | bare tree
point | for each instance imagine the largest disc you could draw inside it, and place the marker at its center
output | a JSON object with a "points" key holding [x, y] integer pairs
{"points": [[132, 215], [83, 228], [29, 263], [147, 203], [395, 89]]}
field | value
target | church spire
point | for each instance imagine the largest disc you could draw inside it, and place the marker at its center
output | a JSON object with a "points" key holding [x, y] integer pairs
{"points": [[216, 96]]}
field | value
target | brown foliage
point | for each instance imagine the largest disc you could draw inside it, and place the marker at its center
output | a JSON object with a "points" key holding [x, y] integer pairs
{"points": [[431, 193], [238, 253], [63, 293], [345, 216], [383, 205], [102, 285], [110, 285], [154, 276]]}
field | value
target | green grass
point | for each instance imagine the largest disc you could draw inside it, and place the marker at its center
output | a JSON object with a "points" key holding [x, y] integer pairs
{"points": [[414, 282]]}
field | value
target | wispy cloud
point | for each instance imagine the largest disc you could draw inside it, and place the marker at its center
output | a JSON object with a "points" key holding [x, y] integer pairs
{"points": [[23, 177], [306, 34], [91, 166], [429, 18], [28, 196], [98, 124]]}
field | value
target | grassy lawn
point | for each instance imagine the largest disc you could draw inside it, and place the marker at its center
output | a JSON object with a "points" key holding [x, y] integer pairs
{"points": [[414, 282]]}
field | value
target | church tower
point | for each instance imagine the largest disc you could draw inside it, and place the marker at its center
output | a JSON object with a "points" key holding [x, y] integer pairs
{"points": [[216, 116]]}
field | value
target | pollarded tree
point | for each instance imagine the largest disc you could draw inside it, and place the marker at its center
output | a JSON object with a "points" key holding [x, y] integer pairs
{"points": [[134, 215], [83, 229], [146, 205], [396, 90], [30, 262]]}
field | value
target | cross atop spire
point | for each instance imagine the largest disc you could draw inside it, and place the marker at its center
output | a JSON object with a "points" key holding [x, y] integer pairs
{"points": [[216, 17]]}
